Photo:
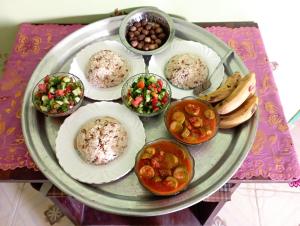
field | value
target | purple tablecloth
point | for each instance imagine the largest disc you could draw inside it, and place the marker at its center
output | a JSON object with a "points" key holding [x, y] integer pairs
{"points": [[272, 156]]}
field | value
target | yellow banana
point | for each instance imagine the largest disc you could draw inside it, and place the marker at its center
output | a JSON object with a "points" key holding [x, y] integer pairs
{"points": [[240, 115], [238, 96], [223, 91]]}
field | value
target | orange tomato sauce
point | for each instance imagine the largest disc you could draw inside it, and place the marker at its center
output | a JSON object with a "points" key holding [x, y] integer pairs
{"points": [[158, 182], [197, 134]]}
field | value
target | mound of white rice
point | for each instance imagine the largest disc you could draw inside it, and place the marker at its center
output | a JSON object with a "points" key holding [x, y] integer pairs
{"points": [[186, 71], [101, 140], [106, 69]]}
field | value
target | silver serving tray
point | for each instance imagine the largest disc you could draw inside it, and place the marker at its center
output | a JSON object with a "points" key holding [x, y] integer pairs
{"points": [[215, 161]]}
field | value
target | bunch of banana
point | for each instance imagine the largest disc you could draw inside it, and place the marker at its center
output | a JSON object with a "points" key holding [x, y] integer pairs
{"points": [[223, 91], [237, 100], [240, 115]]}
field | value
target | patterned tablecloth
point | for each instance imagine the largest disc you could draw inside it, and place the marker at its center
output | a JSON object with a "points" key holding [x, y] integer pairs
{"points": [[272, 156]]}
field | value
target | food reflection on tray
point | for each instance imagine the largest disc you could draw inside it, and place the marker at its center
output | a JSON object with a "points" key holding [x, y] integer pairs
{"points": [[100, 137]]}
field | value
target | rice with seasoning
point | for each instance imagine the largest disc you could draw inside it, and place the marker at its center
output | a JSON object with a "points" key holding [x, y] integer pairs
{"points": [[107, 69], [186, 71], [101, 140]]}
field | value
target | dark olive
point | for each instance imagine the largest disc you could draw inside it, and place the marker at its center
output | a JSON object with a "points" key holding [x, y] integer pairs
{"points": [[140, 45], [148, 39], [161, 35], [130, 34], [137, 24], [132, 28], [136, 33], [158, 30], [132, 38], [145, 32], [141, 37], [143, 22], [148, 27], [153, 37], [152, 46], [134, 43], [156, 25], [158, 41], [146, 47], [146, 35]]}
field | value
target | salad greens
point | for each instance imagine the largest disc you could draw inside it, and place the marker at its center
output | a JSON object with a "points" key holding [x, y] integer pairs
{"points": [[147, 95], [57, 94]]}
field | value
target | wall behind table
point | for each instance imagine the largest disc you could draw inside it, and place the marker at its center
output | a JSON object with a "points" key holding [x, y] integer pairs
{"points": [[277, 21]]}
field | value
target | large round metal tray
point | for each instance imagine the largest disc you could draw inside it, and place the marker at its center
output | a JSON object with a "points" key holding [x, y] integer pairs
{"points": [[215, 161]]}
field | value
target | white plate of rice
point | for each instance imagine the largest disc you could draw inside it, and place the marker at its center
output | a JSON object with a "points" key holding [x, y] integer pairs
{"points": [[103, 67], [182, 50], [86, 168]]}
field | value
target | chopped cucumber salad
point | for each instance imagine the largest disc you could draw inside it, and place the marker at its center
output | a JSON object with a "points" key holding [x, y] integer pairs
{"points": [[147, 95], [58, 94]]}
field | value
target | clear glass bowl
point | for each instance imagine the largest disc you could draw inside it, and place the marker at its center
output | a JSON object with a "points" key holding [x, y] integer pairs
{"points": [[173, 104], [180, 146], [127, 85], [61, 114]]}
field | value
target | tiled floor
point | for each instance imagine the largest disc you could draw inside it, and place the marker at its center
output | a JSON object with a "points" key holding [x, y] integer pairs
{"points": [[251, 205], [21, 205], [261, 205]]}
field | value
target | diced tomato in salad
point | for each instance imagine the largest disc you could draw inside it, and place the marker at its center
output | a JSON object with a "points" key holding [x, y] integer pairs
{"points": [[58, 94], [42, 87], [136, 102], [141, 84], [147, 95]]}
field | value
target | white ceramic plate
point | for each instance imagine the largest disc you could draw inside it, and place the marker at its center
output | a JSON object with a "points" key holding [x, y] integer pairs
{"points": [[79, 68], [178, 46], [73, 164]]}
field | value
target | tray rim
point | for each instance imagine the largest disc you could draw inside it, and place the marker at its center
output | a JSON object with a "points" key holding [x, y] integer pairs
{"points": [[106, 208]]}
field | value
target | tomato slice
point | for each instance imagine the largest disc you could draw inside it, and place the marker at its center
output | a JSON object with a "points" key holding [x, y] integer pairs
{"points": [[59, 92], [46, 79], [42, 87], [136, 102], [160, 83], [50, 96], [165, 99], [141, 84], [154, 102], [68, 89]]}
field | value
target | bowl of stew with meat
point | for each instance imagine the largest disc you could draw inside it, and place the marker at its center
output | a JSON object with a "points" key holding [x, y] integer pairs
{"points": [[191, 121], [164, 167]]}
